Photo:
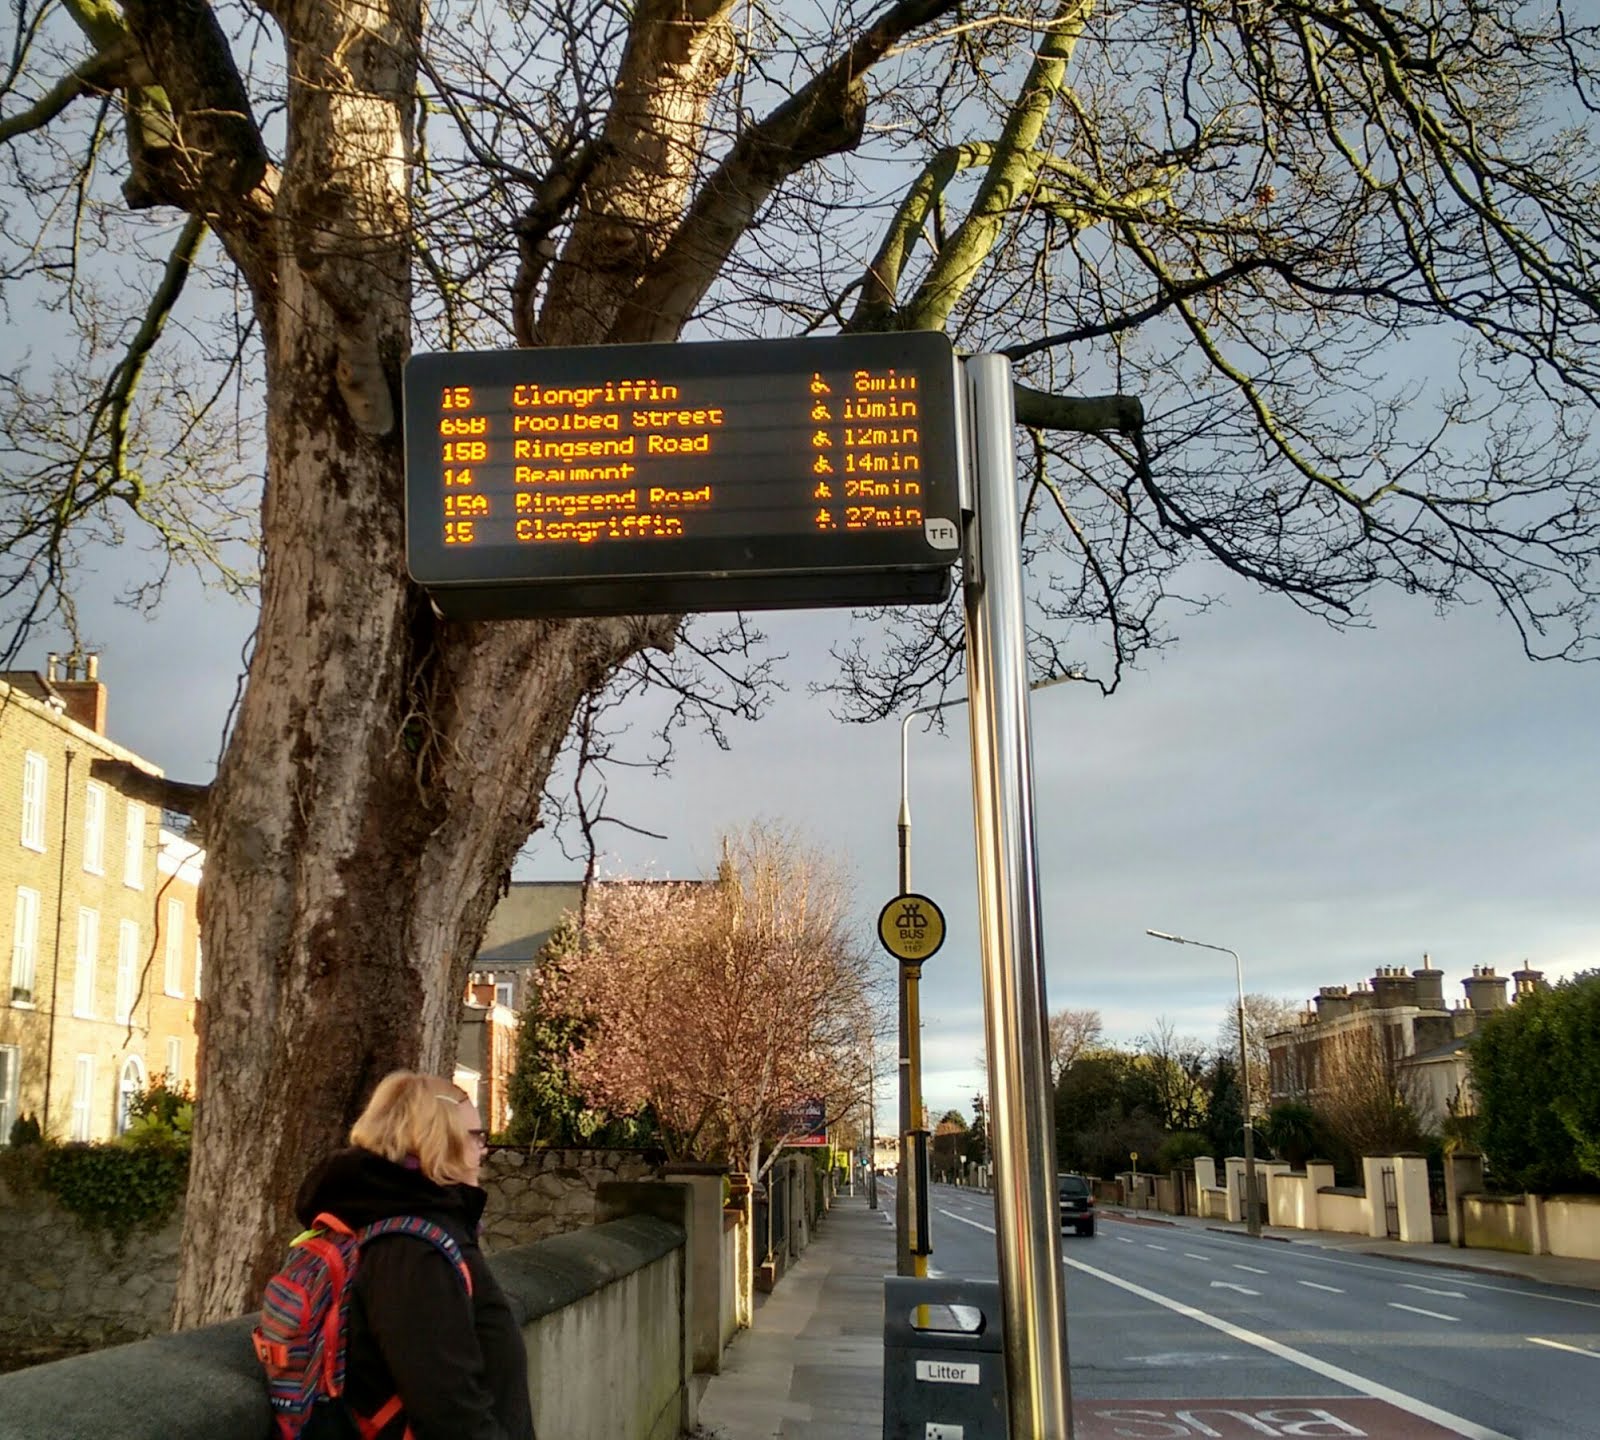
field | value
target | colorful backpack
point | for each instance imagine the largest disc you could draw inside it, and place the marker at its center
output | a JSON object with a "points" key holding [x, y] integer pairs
{"points": [[301, 1338]]}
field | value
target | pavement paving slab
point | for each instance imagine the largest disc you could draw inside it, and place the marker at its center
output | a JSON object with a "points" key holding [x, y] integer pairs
{"points": [[811, 1368]]}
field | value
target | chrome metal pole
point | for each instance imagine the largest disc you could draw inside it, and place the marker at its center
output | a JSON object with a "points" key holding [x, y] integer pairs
{"points": [[1032, 1284]]}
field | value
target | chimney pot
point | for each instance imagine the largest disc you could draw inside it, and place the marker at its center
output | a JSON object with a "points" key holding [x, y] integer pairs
{"points": [[91, 667]]}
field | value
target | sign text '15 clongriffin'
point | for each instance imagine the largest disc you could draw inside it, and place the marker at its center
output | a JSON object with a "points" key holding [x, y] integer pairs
{"points": [[744, 475]]}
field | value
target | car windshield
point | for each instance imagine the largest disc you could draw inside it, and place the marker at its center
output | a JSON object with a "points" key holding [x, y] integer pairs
{"points": [[1072, 1184]]}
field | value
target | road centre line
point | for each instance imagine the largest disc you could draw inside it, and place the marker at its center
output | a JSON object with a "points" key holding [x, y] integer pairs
{"points": [[1431, 1314], [1191, 1254], [1254, 1270], [1148, 1245], [1429, 1290], [1312, 1285], [1311, 1252], [1557, 1345], [1468, 1429]]}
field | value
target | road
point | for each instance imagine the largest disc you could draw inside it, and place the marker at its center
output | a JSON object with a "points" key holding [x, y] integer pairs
{"points": [[1188, 1312]]}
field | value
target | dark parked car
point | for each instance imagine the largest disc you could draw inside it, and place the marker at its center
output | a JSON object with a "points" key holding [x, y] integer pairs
{"points": [[1076, 1196]]}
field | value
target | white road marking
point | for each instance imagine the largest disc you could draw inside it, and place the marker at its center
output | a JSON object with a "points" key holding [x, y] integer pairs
{"points": [[1193, 1256], [1429, 1290], [1229, 1285], [1252, 1269], [1431, 1314], [1557, 1345], [1312, 1285], [1123, 1239], [1148, 1245], [1308, 1251], [1468, 1429]]}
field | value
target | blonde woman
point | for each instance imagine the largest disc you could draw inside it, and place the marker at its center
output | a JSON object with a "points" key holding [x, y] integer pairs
{"points": [[427, 1360]]}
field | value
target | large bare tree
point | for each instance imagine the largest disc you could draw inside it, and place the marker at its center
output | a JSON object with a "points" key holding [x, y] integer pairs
{"points": [[1333, 265]]}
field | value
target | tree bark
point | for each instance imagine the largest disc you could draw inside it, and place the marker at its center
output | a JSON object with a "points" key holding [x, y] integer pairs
{"points": [[385, 767]]}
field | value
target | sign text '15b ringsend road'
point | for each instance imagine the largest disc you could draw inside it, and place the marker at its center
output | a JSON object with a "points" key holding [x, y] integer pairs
{"points": [[657, 478]]}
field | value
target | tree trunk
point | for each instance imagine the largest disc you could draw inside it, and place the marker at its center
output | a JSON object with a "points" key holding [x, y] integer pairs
{"points": [[385, 767]]}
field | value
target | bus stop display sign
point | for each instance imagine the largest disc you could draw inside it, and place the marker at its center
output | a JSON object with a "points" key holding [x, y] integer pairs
{"points": [[737, 475]]}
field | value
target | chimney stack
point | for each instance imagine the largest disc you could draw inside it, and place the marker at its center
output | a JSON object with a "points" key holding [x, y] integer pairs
{"points": [[1526, 981], [1486, 991], [1430, 985], [85, 699]]}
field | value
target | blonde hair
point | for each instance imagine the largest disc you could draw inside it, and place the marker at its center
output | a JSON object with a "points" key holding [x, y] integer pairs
{"points": [[405, 1118]]}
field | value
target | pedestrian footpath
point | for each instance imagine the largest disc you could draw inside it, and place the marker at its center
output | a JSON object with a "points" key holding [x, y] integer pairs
{"points": [[811, 1367]]}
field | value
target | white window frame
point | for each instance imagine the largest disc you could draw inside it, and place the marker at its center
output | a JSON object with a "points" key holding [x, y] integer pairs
{"points": [[172, 964], [94, 829], [83, 1098], [133, 846], [25, 945], [510, 988], [127, 969], [199, 961], [84, 977], [10, 1088], [35, 787], [125, 1090], [174, 1062]]}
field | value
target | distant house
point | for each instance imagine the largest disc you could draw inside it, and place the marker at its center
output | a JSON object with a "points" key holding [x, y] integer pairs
{"points": [[499, 983], [98, 901], [1401, 1019]]}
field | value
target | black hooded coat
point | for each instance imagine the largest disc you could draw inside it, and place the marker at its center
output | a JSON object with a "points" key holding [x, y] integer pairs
{"points": [[457, 1362]]}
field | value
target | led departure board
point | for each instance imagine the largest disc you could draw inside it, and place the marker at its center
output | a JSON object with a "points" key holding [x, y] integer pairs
{"points": [[624, 479]]}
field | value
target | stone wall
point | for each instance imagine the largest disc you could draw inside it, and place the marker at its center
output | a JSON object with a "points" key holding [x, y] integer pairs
{"points": [[61, 1281], [537, 1193]]}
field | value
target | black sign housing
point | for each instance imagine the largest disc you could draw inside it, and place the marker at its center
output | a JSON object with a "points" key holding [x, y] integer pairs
{"points": [[662, 478]]}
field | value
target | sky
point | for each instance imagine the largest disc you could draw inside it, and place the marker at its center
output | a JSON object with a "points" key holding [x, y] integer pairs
{"points": [[1323, 803]]}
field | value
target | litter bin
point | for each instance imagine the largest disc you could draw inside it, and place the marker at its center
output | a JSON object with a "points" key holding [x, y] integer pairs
{"points": [[944, 1367]]}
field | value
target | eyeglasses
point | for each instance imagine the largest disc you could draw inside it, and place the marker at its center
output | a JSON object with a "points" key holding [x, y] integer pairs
{"points": [[481, 1136]]}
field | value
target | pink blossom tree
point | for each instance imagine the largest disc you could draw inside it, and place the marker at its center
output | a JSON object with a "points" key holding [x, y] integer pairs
{"points": [[724, 1004]]}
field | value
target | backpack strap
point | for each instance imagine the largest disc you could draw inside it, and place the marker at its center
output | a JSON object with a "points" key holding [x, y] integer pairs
{"points": [[436, 1235], [420, 1229]]}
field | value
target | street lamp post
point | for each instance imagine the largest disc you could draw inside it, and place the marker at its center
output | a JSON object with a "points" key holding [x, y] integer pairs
{"points": [[1252, 1215], [910, 1020]]}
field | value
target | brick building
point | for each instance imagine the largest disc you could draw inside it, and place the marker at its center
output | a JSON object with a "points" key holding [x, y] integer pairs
{"points": [[98, 912]]}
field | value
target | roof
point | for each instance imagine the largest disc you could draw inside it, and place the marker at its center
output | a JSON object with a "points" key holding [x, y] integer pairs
{"points": [[1449, 1050], [525, 918], [528, 914]]}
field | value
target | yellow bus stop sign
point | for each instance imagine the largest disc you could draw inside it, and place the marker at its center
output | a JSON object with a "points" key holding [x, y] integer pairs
{"points": [[911, 928]]}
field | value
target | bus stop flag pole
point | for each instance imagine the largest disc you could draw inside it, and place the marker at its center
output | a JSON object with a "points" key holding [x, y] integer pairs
{"points": [[1033, 1291]]}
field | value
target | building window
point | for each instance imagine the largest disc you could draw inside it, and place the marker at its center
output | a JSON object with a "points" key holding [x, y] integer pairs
{"points": [[10, 1086], [133, 847], [24, 946], [131, 1083], [198, 965], [174, 1062], [82, 1096], [88, 955], [94, 829], [173, 981], [502, 993], [127, 969], [34, 775]]}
